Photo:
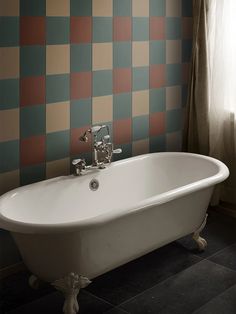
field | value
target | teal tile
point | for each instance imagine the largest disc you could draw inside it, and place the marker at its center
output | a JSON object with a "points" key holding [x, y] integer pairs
{"points": [[32, 120], [81, 57], [102, 29], [102, 83], [58, 145], [140, 126], [122, 54], [58, 30], [81, 113], [57, 88], [157, 100], [174, 120], [122, 106], [32, 8], [173, 74], [32, 174], [140, 78], [173, 28], [9, 157], [186, 50], [9, 31], [140, 28], [32, 60], [126, 152], [122, 7], [81, 7], [158, 7], [187, 8], [157, 52], [9, 94], [157, 143]]}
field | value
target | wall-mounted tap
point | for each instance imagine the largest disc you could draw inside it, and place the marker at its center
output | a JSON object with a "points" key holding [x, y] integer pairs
{"points": [[103, 149]]}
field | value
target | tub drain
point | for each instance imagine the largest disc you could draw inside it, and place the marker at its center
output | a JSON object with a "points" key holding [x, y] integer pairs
{"points": [[94, 185]]}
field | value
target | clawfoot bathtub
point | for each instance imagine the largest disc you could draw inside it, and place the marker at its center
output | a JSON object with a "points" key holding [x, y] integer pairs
{"points": [[70, 231]]}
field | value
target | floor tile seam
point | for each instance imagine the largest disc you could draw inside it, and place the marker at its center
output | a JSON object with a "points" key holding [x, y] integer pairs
{"points": [[212, 255], [159, 283], [118, 308], [225, 267], [99, 298], [215, 297]]}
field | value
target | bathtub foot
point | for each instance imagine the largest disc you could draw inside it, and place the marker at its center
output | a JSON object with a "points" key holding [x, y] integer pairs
{"points": [[201, 242], [34, 282], [70, 286]]}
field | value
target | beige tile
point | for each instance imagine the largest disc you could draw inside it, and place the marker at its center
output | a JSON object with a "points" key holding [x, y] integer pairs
{"points": [[173, 51], [9, 125], [102, 109], [102, 56], [57, 59], [140, 52], [9, 181], [140, 103], [58, 168], [57, 116], [9, 62], [140, 147], [58, 7], [173, 8], [140, 7], [102, 8], [9, 7], [173, 97]]}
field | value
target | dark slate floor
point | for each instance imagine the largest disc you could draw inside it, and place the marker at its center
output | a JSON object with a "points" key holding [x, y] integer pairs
{"points": [[173, 279]]}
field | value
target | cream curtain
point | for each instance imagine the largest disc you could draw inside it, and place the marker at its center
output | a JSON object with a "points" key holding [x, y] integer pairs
{"points": [[211, 126]]}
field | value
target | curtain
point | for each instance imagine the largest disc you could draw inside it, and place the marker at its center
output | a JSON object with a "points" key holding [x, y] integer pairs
{"points": [[211, 126]]}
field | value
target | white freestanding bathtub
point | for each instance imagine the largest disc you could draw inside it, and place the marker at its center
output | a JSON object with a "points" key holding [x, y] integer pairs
{"points": [[67, 233]]}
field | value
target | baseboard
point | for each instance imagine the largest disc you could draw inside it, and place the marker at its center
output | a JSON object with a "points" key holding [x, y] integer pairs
{"points": [[225, 210], [12, 269]]}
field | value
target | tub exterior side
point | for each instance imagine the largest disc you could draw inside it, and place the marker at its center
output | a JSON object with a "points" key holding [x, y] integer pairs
{"points": [[98, 249]]}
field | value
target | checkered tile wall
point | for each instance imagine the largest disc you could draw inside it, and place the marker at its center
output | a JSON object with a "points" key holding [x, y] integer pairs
{"points": [[68, 64]]}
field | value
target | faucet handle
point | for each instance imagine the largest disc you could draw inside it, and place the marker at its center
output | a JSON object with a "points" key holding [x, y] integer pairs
{"points": [[117, 151], [78, 161]]}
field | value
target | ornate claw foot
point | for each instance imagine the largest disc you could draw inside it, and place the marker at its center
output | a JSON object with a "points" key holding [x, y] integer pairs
{"points": [[201, 242], [70, 286], [34, 282]]}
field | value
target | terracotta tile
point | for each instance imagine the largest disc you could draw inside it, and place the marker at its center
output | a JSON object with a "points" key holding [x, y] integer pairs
{"points": [[81, 85], [78, 147], [9, 62], [122, 80], [80, 29], [32, 30], [157, 28], [32, 91], [187, 27], [9, 125], [157, 76], [186, 67], [122, 28], [157, 123], [32, 150], [122, 131]]}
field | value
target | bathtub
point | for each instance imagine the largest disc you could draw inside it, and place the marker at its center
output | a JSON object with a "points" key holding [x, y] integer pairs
{"points": [[68, 233]]}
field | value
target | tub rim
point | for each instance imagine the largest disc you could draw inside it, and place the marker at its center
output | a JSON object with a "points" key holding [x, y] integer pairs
{"points": [[39, 228]]}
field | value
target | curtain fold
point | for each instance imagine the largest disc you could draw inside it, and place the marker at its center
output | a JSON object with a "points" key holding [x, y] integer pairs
{"points": [[211, 104]]}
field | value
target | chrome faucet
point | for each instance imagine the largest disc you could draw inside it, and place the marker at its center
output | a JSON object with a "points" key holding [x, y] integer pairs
{"points": [[103, 150]]}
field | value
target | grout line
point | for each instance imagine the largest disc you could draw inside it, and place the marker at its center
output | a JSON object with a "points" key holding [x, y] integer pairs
{"points": [[97, 297]]}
